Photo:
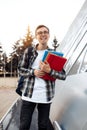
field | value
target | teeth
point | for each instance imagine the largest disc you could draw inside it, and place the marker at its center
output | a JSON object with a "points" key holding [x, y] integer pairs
{"points": [[43, 38]]}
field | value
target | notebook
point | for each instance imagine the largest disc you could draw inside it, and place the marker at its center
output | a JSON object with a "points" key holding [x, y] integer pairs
{"points": [[56, 62]]}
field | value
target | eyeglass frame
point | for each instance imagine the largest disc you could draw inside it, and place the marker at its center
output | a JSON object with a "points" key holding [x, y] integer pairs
{"points": [[42, 32]]}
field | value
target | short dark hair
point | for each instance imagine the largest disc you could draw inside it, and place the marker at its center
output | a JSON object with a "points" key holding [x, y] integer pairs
{"points": [[40, 26]]}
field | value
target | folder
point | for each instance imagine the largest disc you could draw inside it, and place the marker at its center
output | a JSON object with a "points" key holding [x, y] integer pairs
{"points": [[56, 62]]}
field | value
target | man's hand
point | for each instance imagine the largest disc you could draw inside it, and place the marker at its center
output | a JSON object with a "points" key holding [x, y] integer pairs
{"points": [[44, 66], [39, 73]]}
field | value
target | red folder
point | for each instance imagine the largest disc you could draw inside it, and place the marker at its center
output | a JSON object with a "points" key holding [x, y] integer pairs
{"points": [[56, 62]]}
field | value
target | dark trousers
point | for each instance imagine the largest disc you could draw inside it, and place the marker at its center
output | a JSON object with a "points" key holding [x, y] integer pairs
{"points": [[27, 110]]}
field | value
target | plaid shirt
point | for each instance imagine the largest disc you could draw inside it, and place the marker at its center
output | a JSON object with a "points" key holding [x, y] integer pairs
{"points": [[26, 70]]}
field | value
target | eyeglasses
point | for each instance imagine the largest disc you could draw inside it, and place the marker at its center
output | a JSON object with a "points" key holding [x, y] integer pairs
{"points": [[44, 32]]}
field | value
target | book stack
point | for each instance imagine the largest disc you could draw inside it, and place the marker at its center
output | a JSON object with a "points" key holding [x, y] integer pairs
{"points": [[53, 52], [56, 61]]}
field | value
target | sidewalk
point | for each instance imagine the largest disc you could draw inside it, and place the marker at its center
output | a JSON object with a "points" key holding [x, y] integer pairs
{"points": [[7, 98]]}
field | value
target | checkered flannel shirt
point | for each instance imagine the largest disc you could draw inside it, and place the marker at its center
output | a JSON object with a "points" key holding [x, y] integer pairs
{"points": [[25, 69]]}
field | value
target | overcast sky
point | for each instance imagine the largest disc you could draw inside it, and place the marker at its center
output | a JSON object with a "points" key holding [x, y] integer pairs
{"points": [[16, 15]]}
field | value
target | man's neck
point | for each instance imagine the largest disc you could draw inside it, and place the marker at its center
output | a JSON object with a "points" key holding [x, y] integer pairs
{"points": [[41, 47]]}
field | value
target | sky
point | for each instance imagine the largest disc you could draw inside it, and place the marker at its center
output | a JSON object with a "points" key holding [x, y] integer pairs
{"points": [[17, 15]]}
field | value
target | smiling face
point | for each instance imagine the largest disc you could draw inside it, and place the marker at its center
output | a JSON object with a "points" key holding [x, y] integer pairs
{"points": [[42, 35]]}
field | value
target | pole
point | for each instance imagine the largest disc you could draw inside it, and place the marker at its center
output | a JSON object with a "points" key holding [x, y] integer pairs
{"points": [[55, 43]]}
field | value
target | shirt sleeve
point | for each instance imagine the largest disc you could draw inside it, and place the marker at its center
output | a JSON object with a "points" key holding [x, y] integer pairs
{"points": [[23, 67], [58, 74]]}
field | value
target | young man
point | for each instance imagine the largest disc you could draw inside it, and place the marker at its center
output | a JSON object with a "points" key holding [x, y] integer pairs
{"points": [[37, 91]]}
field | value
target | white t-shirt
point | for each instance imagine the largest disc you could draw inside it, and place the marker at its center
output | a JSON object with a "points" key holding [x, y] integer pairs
{"points": [[39, 92]]}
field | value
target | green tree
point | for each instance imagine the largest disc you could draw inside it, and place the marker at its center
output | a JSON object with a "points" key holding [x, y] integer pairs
{"points": [[28, 39], [18, 49], [21, 44]]}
